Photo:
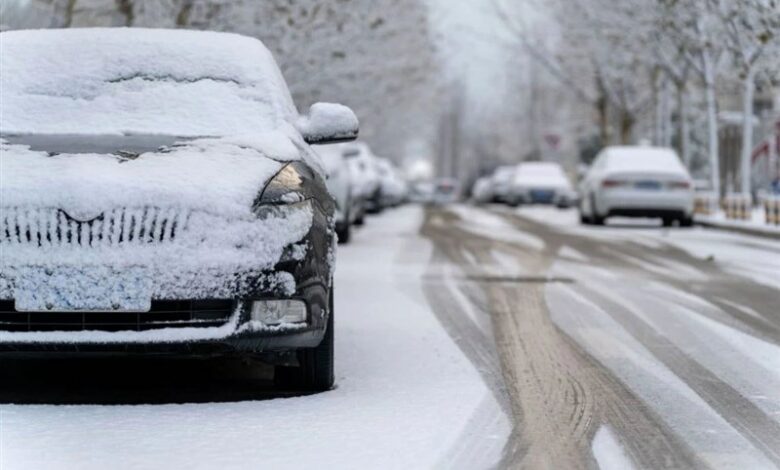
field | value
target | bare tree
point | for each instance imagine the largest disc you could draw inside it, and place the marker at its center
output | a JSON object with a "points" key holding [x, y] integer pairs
{"points": [[751, 29]]}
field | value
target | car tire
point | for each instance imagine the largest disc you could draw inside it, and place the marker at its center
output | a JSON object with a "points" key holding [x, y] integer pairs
{"points": [[315, 372], [595, 218], [667, 221], [686, 222], [344, 233], [361, 218]]}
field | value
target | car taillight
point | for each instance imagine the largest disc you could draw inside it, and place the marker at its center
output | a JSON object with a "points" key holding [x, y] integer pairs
{"points": [[613, 183], [679, 185]]}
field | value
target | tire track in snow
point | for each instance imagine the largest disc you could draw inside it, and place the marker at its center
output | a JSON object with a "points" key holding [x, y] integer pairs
{"points": [[559, 397]]}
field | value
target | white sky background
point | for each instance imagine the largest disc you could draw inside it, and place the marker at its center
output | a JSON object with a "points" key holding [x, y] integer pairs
{"points": [[479, 48]]}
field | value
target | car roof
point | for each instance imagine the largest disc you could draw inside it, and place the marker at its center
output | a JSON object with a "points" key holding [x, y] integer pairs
{"points": [[49, 75], [643, 158]]}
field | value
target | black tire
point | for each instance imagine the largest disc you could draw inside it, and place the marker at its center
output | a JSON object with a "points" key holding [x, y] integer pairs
{"points": [[584, 220], [595, 218], [316, 370], [344, 233], [668, 221], [361, 218], [686, 222]]}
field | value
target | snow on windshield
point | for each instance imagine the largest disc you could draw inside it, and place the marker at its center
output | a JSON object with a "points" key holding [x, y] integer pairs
{"points": [[139, 81], [644, 159]]}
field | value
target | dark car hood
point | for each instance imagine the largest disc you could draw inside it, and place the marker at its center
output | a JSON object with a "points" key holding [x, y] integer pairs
{"points": [[102, 144]]}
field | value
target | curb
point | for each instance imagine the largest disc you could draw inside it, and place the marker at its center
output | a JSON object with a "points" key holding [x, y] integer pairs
{"points": [[757, 231]]}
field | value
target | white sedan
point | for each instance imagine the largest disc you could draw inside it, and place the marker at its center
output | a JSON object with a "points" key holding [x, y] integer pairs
{"points": [[541, 183], [637, 182]]}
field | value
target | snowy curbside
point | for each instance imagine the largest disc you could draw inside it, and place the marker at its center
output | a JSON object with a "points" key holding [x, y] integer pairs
{"points": [[750, 227]]}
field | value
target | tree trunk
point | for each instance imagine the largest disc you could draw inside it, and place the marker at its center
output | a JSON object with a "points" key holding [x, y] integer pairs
{"points": [[712, 124], [747, 131], [658, 134], [684, 125], [666, 118], [601, 107], [626, 127]]}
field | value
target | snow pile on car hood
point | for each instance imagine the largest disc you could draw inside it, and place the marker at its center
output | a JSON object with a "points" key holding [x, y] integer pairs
{"points": [[143, 81], [222, 176], [181, 218]]}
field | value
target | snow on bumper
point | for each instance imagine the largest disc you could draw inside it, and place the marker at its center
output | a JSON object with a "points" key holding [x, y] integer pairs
{"points": [[127, 257]]}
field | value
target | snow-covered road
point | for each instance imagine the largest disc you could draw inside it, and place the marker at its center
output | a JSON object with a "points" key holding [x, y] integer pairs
{"points": [[628, 345], [407, 396], [466, 338]]}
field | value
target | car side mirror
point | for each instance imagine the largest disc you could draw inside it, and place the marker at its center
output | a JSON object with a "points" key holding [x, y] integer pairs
{"points": [[328, 123]]}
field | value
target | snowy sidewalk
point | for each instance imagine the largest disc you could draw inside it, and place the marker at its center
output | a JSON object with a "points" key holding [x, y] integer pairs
{"points": [[755, 226]]}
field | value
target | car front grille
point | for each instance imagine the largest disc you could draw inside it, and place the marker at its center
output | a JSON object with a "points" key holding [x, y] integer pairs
{"points": [[122, 226], [163, 314]]}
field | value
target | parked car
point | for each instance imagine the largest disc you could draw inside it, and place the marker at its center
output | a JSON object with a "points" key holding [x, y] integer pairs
{"points": [[541, 183], [502, 183], [446, 191], [422, 192], [392, 186], [366, 184], [340, 184], [482, 190], [159, 196], [637, 182]]}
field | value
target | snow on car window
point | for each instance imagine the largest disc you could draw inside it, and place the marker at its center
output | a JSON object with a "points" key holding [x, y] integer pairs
{"points": [[169, 82]]}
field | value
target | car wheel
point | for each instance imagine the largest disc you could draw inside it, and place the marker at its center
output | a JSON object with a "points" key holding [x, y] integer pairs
{"points": [[686, 222], [668, 221], [361, 218], [315, 371], [595, 218], [344, 233]]}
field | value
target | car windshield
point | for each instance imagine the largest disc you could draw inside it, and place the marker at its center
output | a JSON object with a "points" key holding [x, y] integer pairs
{"points": [[89, 82]]}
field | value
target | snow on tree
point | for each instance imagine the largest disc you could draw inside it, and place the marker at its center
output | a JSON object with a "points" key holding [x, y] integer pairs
{"points": [[751, 29]]}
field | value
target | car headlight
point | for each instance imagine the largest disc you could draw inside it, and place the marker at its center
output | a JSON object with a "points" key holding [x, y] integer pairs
{"points": [[284, 188]]}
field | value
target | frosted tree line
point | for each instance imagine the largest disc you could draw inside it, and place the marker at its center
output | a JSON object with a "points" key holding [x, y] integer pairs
{"points": [[660, 68]]}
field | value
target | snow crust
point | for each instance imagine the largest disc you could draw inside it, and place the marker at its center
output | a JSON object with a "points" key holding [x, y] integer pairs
{"points": [[175, 223], [328, 121], [143, 81], [541, 174]]}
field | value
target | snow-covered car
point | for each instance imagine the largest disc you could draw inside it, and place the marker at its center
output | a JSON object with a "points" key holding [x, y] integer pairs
{"points": [[366, 184], [159, 196], [637, 182], [446, 191], [482, 190], [392, 186], [340, 184], [421, 192], [502, 183], [541, 183]]}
